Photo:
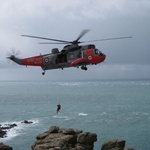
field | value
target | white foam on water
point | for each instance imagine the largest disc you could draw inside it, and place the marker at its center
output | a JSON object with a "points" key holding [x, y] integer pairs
{"points": [[70, 83], [61, 117], [17, 130], [82, 114]]}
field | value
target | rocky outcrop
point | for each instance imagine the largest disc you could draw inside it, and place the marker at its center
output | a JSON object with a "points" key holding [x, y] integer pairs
{"points": [[5, 147], [64, 139], [26, 122], [115, 145], [2, 133], [5, 128]]}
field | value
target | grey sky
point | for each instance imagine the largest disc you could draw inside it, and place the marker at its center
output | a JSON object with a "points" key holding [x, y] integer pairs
{"points": [[65, 19]]}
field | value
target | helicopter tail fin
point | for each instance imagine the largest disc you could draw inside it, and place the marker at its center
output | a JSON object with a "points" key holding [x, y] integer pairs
{"points": [[15, 59]]}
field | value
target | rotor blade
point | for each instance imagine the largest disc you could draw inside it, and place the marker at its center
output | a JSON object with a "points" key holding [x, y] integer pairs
{"points": [[14, 51], [117, 38], [55, 43], [38, 37], [82, 34]]}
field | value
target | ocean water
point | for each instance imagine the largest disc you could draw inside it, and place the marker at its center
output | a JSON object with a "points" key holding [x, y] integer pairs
{"points": [[111, 109]]}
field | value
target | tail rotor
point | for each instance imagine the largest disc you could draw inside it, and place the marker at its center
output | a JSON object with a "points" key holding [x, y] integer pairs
{"points": [[13, 55]]}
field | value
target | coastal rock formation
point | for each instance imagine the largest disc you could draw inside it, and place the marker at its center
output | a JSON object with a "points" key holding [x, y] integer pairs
{"points": [[5, 147], [5, 128], [64, 139], [2, 133], [26, 122], [115, 145]]}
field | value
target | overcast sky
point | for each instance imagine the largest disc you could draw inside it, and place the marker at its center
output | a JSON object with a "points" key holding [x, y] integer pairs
{"points": [[65, 19]]}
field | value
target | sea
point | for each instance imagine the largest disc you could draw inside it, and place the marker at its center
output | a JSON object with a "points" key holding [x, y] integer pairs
{"points": [[111, 109]]}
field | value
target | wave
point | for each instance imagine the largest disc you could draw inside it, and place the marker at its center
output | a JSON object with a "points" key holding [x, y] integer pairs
{"points": [[61, 117], [72, 116], [82, 114], [17, 130], [70, 83]]}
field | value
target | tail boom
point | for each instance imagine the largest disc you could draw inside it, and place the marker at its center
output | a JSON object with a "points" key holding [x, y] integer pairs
{"points": [[33, 61]]}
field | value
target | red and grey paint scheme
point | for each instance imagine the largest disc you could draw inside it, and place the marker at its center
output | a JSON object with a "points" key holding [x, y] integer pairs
{"points": [[70, 56]]}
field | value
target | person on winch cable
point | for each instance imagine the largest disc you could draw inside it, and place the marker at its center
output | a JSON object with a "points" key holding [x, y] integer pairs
{"points": [[58, 108]]}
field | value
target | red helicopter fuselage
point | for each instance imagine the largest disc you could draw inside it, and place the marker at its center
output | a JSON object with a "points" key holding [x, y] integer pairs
{"points": [[74, 57]]}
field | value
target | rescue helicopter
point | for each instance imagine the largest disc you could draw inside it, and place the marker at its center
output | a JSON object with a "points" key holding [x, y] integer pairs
{"points": [[72, 55]]}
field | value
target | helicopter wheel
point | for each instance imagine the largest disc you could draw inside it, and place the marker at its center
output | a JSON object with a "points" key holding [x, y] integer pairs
{"points": [[84, 68], [43, 73]]}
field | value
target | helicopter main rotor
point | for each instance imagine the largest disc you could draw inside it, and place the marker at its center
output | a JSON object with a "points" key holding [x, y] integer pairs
{"points": [[57, 41], [75, 42]]}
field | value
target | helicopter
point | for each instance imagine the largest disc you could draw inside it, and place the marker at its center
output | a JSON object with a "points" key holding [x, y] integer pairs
{"points": [[72, 55]]}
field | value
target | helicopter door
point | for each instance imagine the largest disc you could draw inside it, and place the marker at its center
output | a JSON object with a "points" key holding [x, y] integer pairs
{"points": [[61, 58]]}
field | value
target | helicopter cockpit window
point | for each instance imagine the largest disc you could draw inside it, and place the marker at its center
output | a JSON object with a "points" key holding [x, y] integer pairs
{"points": [[98, 52], [91, 46]]}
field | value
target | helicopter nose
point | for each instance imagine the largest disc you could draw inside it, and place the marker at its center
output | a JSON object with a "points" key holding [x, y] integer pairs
{"points": [[103, 57]]}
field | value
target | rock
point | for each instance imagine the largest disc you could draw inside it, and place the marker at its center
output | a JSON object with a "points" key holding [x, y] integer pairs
{"points": [[115, 145], [5, 128], [42, 136], [27, 122], [8, 126], [64, 139], [53, 129], [70, 131], [3, 133], [5, 147], [87, 138], [128, 148]]}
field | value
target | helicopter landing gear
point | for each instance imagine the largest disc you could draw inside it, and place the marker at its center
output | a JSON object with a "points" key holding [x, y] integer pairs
{"points": [[43, 73], [84, 68]]}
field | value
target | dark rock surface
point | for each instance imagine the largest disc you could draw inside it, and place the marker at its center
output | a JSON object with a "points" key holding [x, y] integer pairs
{"points": [[5, 147], [5, 128], [3, 133], [115, 145], [64, 139], [26, 122]]}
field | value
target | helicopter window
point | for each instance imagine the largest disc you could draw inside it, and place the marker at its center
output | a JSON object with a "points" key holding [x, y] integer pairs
{"points": [[91, 46], [98, 52], [79, 55]]}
